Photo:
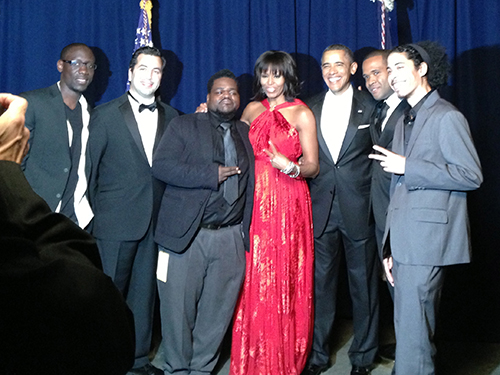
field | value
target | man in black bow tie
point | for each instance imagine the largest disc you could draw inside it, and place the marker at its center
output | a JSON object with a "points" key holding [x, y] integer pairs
{"points": [[125, 197]]}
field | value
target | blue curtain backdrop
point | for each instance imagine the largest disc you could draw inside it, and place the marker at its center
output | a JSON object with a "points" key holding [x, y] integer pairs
{"points": [[201, 37]]}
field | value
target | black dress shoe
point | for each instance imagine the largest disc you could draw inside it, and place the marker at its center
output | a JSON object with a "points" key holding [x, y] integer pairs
{"points": [[147, 369], [358, 370], [312, 369], [387, 352]]}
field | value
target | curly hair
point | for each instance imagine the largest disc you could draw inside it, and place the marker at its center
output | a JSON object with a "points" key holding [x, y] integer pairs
{"points": [[438, 66], [278, 62]]}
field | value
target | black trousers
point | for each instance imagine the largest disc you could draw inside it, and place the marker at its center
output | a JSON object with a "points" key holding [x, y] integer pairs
{"points": [[361, 259], [132, 265]]}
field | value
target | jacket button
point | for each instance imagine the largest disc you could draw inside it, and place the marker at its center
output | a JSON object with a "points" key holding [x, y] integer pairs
{"points": [[58, 195]]}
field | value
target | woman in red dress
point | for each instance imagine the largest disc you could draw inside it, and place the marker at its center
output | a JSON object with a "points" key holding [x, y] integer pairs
{"points": [[273, 321]]}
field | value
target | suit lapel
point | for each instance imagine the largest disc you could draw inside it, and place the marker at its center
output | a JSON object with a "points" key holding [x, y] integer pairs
{"points": [[357, 112], [248, 145], [316, 109], [422, 116], [388, 133], [161, 126], [129, 118]]}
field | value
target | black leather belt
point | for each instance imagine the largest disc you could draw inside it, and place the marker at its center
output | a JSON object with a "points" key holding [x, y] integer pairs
{"points": [[216, 226]]}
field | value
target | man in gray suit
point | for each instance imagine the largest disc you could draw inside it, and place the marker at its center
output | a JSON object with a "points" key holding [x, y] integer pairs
{"points": [[434, 163], [125, 197], [342, 219], [58, 119]]}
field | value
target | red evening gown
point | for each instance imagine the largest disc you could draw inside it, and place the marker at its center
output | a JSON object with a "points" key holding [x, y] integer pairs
{"points": [[272, 331]]}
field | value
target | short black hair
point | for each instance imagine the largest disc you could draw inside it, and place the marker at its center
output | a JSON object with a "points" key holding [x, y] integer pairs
{"points": [[224, 73], [438, 66], [384, 53], [146, 50], [279, 62], [69, 47], [341, 47]]}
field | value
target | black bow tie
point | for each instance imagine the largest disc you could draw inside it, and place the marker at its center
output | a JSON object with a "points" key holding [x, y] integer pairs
{"points": [[151, 107]]}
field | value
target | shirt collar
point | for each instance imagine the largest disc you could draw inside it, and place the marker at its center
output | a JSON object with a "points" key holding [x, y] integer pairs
{"points": [[393, 100], [345, 97]]}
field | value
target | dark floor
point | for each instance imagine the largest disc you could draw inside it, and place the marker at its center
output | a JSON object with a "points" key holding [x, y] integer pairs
{"points": [[454, 358]]}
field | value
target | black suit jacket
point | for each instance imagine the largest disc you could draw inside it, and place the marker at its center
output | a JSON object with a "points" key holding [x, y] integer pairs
{"points": [[381, 180], [58, 312], [124, 195], [350, 177], [48, 161], [184, 161]]}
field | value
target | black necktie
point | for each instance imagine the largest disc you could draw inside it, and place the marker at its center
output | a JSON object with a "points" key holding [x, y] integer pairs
{"points": [[151, 107], [380, 113], [230, 160]]}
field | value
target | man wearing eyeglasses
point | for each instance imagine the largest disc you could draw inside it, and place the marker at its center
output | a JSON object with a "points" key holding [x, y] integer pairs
{"points": [[57, 118]]}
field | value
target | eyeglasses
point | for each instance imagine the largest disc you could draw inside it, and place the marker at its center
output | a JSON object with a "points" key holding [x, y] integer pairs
{"points": [[77, 64]]}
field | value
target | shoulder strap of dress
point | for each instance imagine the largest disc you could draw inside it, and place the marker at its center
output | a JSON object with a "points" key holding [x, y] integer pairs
{"points": [[265, 103], [289, 104]]}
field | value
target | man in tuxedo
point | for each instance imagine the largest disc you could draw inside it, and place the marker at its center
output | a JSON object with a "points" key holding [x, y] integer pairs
{"points": [[58, 119], [388, 110], [206, 161], [124, 195], [434, 163], [59, 314], [341, 213]]}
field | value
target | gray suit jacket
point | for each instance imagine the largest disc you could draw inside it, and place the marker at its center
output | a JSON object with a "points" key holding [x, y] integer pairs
{"points": [[427, 216], [349, 178]]}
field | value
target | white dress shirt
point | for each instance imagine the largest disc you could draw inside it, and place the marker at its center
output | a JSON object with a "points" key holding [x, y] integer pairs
{"points": [[392, 102], [147, 122], [335, 119]]}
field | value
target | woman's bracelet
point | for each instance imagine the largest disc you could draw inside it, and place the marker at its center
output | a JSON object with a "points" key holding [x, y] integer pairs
{"points": [[291, 167]]}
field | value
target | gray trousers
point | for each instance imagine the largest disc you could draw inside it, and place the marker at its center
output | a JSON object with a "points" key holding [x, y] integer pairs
{"points": [[417, 293], [197, 300]]}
